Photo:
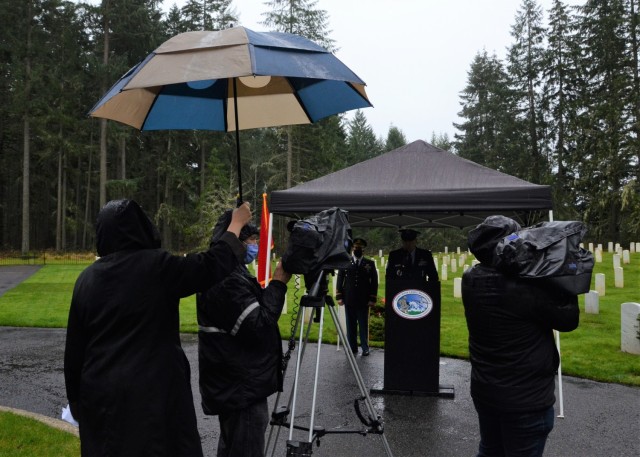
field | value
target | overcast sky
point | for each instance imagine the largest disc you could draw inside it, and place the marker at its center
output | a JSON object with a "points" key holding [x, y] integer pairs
{"points": [[414, 55]]}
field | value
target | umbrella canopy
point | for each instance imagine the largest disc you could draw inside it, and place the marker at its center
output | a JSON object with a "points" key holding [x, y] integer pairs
{"points": [[197, 80]]}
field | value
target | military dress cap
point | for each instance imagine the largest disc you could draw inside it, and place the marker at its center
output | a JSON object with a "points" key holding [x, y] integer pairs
{"points": [[360, 242], [408, 234]]}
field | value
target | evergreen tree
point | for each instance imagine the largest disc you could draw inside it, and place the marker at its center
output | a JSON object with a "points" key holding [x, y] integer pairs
{"points": [[604, 115], [362, 143], [525, 65], [562, 80], [207, 15], [301, 17], [395, 139], [442, 141], [490, 133]]}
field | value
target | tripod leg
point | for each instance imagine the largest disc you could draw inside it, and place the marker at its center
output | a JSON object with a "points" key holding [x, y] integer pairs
{"points": [[360, 381], [315, 381], [301, 351], [295, 383]]}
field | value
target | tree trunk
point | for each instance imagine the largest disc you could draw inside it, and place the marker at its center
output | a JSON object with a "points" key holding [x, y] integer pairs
{"points": [[59, 205], [88, 197], [123, 158], [202, 167], [26, 140], [63, 219], [103, 122]]}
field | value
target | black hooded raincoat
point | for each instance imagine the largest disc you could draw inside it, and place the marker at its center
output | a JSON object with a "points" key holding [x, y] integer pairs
{"points": [[511, 321], [124, 367]]}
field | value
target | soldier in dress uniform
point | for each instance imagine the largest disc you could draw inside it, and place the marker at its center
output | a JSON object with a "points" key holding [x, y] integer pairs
{"points": [[411, 262], [357, 290]]}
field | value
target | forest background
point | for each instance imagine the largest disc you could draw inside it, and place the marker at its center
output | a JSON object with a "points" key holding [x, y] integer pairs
{"points": [[562, 109]]}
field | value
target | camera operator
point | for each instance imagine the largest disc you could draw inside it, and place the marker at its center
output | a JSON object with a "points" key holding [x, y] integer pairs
{"points": [[512, 350], [240, 351]]}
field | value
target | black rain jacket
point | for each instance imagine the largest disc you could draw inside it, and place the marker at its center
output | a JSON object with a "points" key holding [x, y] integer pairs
{"points": [[510, 320], [239, 342], [124, 366]]}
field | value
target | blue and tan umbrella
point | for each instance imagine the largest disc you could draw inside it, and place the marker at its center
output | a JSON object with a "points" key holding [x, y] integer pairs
{"points": [[231, 80]]}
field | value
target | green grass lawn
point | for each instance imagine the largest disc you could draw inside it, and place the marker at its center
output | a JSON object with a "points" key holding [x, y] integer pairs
{"points": [[592, 351], [24, 437]]}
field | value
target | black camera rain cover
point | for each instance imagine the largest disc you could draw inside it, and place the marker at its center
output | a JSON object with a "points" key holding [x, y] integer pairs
{"points": [[322, 241], [550, 251]]}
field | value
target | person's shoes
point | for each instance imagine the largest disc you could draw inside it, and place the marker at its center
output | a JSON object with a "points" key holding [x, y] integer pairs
{"points": [[365, 353], [355, 352]]}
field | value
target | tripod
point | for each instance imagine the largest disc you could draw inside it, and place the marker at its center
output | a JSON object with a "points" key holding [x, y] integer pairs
{"points": [[316, 299]]}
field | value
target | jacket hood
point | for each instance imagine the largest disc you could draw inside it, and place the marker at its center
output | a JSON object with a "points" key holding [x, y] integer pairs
{"points": [[122, 225], [483, 239]]}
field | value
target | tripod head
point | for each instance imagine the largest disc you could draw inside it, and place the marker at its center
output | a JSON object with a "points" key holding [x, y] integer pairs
{"points": [[319, 282]]}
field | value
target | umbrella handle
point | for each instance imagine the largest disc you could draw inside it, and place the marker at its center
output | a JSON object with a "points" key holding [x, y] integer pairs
{"points": [[238, 165]]}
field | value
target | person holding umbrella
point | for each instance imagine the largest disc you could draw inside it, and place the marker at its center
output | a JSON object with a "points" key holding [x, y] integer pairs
{"points": [[357, 290], [126, 375]]}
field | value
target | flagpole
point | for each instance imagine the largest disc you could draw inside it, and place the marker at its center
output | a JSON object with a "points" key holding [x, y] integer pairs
{"points": [[267, 269]]}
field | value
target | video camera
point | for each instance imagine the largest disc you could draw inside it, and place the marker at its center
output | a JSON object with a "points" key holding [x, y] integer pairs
{"points": [[320, 242]]}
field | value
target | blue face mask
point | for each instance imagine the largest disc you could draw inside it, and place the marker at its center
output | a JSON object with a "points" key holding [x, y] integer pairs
{"points": [[252, 253]]}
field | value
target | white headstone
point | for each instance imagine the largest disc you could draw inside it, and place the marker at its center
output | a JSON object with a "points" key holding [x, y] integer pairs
{"points": [[465, 267], [629, 313], [598, 255], [637, 247], [632, 247], [600, 247], [443, 275], [454, 265], [610, 246], [600, 286], [284, 308], [446, 249], [626, 257], [457, 287], [616, 261], [458, 250], [590, 247], [380, 253], [617, 247], [619, 277], [592, 302]]}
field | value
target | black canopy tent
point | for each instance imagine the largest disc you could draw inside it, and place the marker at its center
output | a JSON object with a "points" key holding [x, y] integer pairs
{"points": [[417, 185]]}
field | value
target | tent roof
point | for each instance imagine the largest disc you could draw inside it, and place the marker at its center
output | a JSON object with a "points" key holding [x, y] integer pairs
{"points": [[417, 185]]}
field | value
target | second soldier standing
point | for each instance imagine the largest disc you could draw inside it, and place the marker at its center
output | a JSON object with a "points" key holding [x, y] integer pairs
{"points": [[357, 290]]}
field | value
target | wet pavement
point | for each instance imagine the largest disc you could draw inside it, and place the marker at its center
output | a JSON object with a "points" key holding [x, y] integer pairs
{"points": [[12, 275], [601, 420]]}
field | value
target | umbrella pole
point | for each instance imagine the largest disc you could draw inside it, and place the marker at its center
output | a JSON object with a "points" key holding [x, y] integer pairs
{"points": [[235, 111]]}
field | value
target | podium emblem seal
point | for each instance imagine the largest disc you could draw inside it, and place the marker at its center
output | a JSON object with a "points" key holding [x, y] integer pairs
{"points": [[412, 304]]}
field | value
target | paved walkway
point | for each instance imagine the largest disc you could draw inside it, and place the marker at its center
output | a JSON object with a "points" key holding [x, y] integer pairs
{"points": [[12, 275], [601, 420]]}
